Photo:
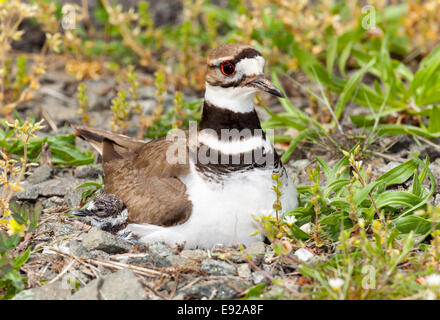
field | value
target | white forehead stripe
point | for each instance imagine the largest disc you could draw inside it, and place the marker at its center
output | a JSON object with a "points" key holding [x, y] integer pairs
{"points": [[250, 66]]}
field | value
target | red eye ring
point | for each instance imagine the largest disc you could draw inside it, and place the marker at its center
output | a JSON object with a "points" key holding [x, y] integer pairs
{"points": [[227, 68]]}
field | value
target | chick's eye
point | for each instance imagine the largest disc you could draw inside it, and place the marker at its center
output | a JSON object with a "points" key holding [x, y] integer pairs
{"points": [[227, 68]]}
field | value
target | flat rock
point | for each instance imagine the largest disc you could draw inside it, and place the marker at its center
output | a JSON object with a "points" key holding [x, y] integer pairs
{"points": [[244, 270], [73, 197], [194, 254], [86, 172], [258, 277], [77, 248], [120, 285], [52, 202], [159, 249], [97, 239], [175, 260], [40, 174], [52, 291], [49, 188], [218, 268], [213, 289]]}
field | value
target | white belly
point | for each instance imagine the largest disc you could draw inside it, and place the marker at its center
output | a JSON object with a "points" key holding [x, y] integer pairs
{"points": [[223, 213]]}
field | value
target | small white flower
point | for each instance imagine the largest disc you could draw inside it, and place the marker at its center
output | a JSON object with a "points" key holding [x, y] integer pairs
{"points": [[433, 280], [335, 283], [290, 220]]}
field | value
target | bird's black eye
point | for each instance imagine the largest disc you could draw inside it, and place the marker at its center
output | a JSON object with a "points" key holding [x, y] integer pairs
{"points": [[227, 68]]}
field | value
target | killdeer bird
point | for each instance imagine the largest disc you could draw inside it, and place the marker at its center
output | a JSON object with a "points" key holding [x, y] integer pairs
{"points": [[211, 196]]}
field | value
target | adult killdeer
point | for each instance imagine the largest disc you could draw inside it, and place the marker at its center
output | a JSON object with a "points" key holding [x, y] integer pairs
{"points": [[225, 177]]}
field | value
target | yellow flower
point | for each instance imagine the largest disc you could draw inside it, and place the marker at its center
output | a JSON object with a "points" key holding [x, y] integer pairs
{"points": [[15, 228]]}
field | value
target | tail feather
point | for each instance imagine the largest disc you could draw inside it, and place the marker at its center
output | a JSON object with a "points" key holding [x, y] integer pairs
{"points": [[96, 138]]}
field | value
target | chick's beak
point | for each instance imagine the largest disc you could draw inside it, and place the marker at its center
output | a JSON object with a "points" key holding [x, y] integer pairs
{"points": [[262, 83]]}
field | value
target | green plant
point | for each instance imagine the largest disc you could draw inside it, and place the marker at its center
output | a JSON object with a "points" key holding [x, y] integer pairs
{"points": [[11, 282], [82, 101], [91, 187]]}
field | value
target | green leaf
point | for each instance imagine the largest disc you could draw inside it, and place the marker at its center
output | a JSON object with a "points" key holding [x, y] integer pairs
{"points": [[416, 186], [306, 134], [434, 120], [363, 193], [254, 292], [344, 57], [399, 198], [331, 54], [335, 186], [399, 174], [405, 129], [412, 223], [349, 88], [8, 243], [18, 262], [298, 233]]}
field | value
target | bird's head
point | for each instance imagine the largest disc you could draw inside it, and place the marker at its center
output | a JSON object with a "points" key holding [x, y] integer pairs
{"points": [[234, 75]]}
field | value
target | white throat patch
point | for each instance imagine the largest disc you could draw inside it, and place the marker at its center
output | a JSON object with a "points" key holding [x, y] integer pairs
{"points": [[237, 99]]}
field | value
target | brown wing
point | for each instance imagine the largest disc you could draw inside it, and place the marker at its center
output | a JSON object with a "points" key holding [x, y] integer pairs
{"points": [[147, 184], [139, 174]]}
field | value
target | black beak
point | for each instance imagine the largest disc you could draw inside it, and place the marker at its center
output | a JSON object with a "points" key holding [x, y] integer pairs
{"points": [[264, 84]]}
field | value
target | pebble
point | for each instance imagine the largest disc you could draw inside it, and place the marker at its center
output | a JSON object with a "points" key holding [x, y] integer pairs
{"points": [[51, 291], [218, 268], [303, 255], [120, 285], [86, 172], [244, 270], [97, 239], [40, 174]]}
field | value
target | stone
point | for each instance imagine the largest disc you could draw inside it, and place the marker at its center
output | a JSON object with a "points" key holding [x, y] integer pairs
{"points": [[120, 285], [218, 268], [59, 110], [175, 260], [256, 250], [77, 248], [40, 174], [49, 188], [52, 202], [51, 291], [73, 198], [299, 165], [244, 270], [97, 239], [258, 277], [194, 254], [144, 259], [303, 255], [388, 167], [159, 250], [213, 289], [86, 172]]}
